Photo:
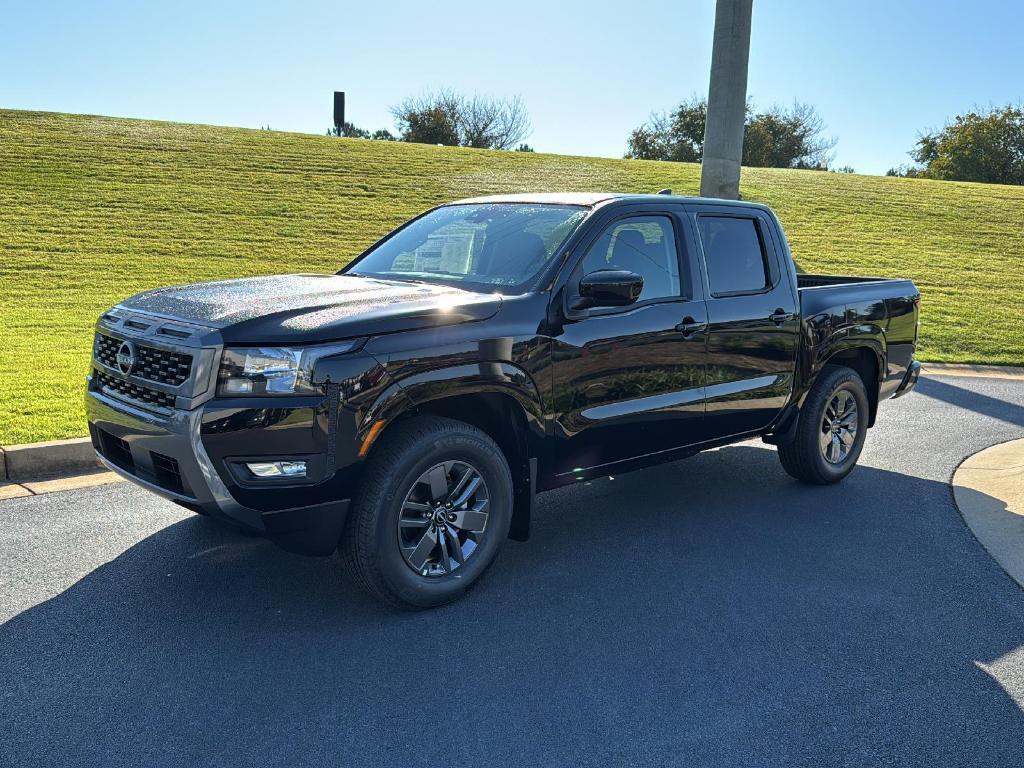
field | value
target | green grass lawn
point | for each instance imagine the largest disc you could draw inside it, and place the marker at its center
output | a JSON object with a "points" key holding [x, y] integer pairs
{"points": [[94, 209]]}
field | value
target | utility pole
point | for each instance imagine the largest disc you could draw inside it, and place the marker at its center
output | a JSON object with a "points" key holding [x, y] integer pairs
{"points": [[727, 101]]}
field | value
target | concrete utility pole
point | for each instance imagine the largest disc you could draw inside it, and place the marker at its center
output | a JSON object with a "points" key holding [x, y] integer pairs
{"points": [[727, 101]]}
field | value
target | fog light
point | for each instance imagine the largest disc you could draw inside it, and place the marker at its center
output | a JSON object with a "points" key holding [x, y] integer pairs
{"points": [[277, 468]]}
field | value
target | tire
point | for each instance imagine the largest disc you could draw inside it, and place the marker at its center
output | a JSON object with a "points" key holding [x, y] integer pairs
{"points": [[807, 458], [379, 547]]}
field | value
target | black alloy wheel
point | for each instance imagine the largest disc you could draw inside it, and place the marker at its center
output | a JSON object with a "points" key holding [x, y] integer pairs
{"points": [[839, 427], [443, 519], [433, 508]]}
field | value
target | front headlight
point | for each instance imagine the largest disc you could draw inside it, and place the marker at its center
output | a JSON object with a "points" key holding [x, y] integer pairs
{"points": [[272, 370]]}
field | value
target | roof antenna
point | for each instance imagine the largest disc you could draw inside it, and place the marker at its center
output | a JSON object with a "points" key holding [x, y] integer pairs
{"points": [[665, 191]]}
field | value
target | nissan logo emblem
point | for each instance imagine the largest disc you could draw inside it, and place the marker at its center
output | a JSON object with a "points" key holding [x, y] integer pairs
{"points": [[126, 357]]}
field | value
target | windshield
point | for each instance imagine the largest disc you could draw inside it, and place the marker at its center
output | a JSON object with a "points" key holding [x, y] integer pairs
{"points": [[497, 246]]}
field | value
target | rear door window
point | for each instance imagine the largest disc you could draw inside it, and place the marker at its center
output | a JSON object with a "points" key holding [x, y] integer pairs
{"points": [[734, 253]]}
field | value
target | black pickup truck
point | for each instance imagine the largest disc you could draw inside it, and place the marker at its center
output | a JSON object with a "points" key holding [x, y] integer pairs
{"points": [[409, 408]]}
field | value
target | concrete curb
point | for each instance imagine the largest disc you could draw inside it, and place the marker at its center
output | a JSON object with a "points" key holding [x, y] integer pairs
{"points": [[980, 371], [988, 489], [57, 465], [37, 461]]}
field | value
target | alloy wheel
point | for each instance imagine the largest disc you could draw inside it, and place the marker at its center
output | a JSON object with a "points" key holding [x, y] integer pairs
{"points": [[443, 517], [839, 427]]}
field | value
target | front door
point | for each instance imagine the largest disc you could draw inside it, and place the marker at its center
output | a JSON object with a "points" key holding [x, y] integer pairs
{"points": [[629, 381]]}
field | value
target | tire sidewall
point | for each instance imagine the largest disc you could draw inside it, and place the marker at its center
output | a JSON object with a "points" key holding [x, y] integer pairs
{"points": [[415, 460]]}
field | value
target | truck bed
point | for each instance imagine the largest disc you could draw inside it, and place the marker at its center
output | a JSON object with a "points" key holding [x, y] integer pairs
{"points": [[863, 298], [859, 299], [836, 308]]}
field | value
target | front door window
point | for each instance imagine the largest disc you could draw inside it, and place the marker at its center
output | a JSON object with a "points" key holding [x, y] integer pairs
{"points": [[645, 245]]}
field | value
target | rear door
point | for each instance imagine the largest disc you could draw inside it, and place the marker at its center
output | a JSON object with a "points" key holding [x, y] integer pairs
{"points": [[629, 381], [753, 318]]}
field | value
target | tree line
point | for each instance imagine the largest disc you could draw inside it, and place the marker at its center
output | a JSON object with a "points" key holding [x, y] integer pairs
{"points": [[455, 120], [980, 145]]}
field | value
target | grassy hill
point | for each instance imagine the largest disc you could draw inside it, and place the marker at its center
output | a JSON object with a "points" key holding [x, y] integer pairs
{"points": [[93, 209]]}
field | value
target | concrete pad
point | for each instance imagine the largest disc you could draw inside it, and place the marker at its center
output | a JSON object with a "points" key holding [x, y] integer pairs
{"points": [[989, 491], [51, 459], [72, 482], [13, 491]]}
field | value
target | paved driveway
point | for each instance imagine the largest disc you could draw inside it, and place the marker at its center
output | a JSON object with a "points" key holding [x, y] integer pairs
{"points": [[708, 612]]}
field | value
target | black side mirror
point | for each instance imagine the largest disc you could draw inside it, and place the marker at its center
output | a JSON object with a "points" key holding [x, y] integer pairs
{"points": [[609, 288]]}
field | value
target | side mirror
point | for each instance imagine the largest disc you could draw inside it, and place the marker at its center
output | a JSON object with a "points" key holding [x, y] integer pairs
{"points": [[609, 288]]}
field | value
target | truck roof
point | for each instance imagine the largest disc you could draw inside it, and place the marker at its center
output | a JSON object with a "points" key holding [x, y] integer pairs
{"points": [[596, 198]]}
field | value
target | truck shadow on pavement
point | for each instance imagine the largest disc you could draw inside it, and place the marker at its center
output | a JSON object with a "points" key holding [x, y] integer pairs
{"points": [[711, 611], [992, 407]]}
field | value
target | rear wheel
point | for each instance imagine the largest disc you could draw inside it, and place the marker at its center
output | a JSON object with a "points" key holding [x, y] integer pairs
{"points": [[433, 509], [831, 431]]}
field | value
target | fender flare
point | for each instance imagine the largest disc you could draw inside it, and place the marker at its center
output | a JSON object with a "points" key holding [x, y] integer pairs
{"points": [[863, 337], [411, 392]]}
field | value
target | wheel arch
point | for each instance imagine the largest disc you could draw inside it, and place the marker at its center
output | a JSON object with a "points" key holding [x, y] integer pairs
{"points": [[498, 398], [868, 360]]}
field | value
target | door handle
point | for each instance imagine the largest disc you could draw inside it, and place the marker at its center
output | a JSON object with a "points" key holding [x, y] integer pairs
{"points": [[779, 316], [689, 326]]}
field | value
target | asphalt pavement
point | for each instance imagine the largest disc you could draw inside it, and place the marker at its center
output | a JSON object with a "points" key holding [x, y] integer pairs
{"points": [[707, 612]]}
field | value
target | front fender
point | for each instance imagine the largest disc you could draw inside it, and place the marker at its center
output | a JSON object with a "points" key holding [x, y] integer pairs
{"points": [[451, 382], [475, 378], [444, 382]]}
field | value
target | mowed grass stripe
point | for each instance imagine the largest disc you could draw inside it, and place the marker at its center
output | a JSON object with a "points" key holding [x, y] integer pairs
{"points": [[93, 209]]}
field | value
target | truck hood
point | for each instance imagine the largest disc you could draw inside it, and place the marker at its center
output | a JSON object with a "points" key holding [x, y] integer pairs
{"points": [[290, 309]]}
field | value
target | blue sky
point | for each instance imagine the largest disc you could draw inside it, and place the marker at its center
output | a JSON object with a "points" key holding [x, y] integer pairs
{"points": [[878, 72]]}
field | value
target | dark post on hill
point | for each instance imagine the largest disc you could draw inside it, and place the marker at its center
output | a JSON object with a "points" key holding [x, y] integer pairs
{"points": [[727, 101], [339, 110]]}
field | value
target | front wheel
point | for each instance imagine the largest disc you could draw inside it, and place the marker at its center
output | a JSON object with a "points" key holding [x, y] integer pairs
{"points": [[434, 507], [831, 431]]}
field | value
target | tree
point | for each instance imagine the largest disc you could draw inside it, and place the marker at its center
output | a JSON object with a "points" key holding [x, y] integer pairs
{"points": [[524, 147], [905, 171], [777, 138], [781, 138], [677, 136], [977, 146], [348, 131], [449, 118], [429, 119]]}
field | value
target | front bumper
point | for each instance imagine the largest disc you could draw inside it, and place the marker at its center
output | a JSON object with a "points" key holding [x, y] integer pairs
{"points": [[166, 454]]}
